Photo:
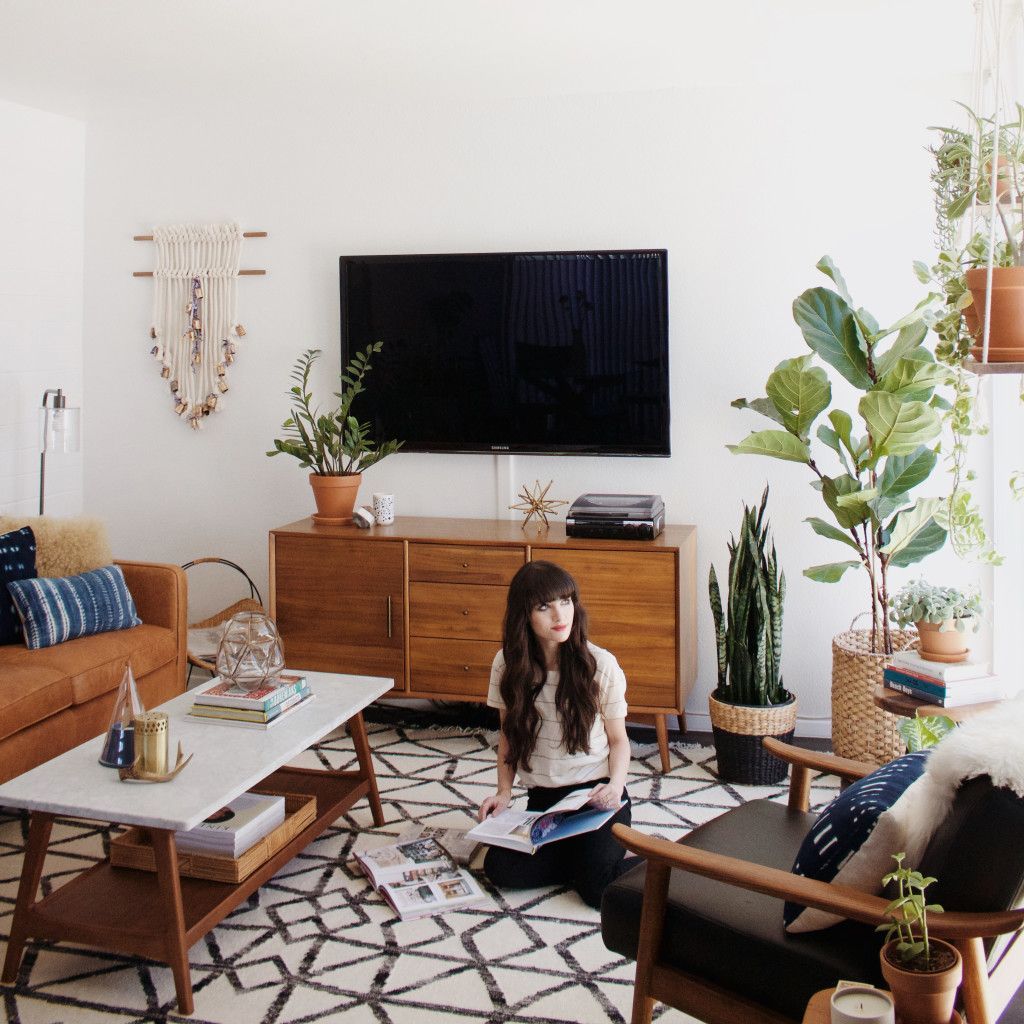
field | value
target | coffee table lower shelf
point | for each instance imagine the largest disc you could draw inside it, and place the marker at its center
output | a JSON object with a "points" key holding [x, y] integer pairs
{"points": [[160, 915]]}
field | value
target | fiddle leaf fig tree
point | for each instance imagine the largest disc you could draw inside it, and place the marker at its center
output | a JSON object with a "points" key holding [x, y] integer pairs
{"points": [[876, 457]]}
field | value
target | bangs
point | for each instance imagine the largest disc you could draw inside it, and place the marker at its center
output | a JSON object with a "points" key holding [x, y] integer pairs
{"points": [[544, 582]]}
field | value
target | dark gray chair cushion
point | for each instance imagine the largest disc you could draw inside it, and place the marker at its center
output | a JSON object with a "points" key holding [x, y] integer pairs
{"points": [[735, 938]]}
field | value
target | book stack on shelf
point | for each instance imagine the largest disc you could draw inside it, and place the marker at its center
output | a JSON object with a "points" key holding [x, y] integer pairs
{"points": [[418, 877], [952, 685], [261, 708], [230, 831]]}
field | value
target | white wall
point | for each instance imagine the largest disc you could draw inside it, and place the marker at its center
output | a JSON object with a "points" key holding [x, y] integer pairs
{"points": [[747, 140], [42, 171]]}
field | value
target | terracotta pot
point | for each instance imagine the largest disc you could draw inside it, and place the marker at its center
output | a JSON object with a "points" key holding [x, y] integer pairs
{"points": [[923, 997], [941, 645], [335, 497], [1006, 338]]}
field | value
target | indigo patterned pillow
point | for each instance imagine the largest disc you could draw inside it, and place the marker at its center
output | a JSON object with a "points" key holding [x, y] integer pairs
{"points": [[56, 609], [17, 562], [854, 838]]}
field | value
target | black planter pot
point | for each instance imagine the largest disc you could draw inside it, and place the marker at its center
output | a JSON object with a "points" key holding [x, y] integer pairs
{"points": [[738, 730]]}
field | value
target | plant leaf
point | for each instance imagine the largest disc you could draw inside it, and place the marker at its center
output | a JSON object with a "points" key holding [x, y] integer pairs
{"points": [[909, 338], [902, 473], [924, 731], [915, 377], [897, 427], [830, 270], [830, 573], [848, 512], [799, 391], [915, 533], [762, 405], [830, 329], [823, 529], [779, 444]]}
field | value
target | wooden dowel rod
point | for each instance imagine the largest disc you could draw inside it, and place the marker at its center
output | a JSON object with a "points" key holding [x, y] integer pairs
{"points": [[245, 234], [241, 273]]}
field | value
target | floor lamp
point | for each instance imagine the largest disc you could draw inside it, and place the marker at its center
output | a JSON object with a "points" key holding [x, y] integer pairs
{"points": [[61, 432]]}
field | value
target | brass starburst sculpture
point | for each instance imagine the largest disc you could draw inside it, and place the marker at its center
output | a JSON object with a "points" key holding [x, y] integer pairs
{"points": [[537, 503]]}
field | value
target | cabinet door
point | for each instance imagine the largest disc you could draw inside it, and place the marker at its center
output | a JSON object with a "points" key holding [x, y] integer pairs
{"points": [[630, 598], [340, 605]]}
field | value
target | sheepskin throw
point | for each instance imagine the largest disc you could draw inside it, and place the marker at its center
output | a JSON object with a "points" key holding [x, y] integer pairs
{"points": [[195, 325], [64, 546]]}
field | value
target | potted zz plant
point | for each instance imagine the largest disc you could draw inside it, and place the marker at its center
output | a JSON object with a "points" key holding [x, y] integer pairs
{"points": [[750, 701], [333, 445], [942, 615], [922, 973], [864, 471]]}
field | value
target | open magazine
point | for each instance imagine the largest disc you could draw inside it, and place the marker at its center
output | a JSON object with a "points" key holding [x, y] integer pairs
{"points": [[528, 831], [418, 877]]}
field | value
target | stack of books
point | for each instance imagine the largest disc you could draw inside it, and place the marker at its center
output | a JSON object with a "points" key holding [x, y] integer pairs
{"points": [[230, 831], [261, 708], [419, 877], [948, 685]]}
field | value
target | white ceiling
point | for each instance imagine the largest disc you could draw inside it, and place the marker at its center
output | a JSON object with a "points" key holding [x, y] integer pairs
{"points": [[83, 57]]}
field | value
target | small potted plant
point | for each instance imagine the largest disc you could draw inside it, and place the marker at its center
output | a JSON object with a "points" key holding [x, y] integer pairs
{"points": [[942, 615], [333, 445], [750, 701], [922, 973]]}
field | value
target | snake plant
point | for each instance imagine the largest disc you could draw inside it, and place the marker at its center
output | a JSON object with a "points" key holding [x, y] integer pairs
{"points": [[749, 634]]}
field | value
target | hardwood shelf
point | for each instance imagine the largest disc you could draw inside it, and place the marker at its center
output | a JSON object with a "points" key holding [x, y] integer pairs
{"points": [[972, 365]]}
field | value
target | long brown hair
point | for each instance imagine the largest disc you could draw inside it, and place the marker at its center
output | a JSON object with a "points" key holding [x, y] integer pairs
{"points": [[576, 697]]}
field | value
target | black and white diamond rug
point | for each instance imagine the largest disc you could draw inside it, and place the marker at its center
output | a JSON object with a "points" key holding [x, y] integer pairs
{"points": [[321, 945]]}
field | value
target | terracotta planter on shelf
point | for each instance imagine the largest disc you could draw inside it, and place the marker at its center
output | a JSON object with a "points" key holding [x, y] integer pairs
{"points": [[923, 997], [335, 497], [941, 645], [1006, 337]]}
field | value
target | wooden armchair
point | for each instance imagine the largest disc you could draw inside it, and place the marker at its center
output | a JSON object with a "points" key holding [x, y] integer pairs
{"points": [[703, 917]]}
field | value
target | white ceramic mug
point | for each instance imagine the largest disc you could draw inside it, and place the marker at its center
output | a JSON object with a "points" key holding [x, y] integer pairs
{"points": [[384, 509]]}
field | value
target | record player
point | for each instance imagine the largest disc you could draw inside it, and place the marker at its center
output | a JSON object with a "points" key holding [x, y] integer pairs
{"points": [[616, 516]]}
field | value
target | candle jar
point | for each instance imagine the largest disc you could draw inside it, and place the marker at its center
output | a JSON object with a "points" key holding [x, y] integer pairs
{"points": [[862, 1004], [151, 741]]}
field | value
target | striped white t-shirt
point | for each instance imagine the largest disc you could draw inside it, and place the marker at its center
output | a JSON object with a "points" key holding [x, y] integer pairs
{"points": [[551, 764]]}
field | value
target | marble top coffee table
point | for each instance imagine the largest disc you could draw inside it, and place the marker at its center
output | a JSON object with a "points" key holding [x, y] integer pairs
{"points": [[169, 912]]}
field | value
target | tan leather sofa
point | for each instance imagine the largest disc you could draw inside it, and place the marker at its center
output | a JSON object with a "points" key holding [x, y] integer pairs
{"points": [[57, 697]]}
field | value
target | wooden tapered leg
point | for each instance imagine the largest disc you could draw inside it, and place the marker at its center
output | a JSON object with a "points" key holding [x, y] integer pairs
{"points": [[974, 988], [652, 923], [175, 950], [31, 872], [661, 727], [357, 727]]}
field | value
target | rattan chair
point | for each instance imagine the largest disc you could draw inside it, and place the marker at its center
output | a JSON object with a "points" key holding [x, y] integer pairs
{"points": [[198, 631]]}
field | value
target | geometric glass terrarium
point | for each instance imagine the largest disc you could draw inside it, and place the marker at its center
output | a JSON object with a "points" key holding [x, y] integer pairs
{"points": [[119, 741], [250, 651]]}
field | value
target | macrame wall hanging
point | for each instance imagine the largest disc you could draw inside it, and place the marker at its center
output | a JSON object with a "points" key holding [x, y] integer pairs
{"points": [[195, 323]]}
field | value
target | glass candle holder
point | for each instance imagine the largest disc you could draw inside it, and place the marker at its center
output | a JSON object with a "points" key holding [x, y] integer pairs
{"points": [[250, 652], [119, 739]]}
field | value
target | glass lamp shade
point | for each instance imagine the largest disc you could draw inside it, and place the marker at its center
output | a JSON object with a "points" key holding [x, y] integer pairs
{"points": [[251, 652], [60, 428]]}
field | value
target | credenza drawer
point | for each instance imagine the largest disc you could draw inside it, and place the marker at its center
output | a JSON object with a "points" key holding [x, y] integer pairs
{"points": [[461, 667], [450, 611], [464, 563]]}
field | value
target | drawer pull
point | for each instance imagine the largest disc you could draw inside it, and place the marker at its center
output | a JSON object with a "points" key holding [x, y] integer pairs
{"points": [[465, 611], [389, 616], [465, 668], [465, 565]]}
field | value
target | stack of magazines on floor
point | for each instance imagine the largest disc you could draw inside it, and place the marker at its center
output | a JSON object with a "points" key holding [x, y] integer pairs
{"points": [[231, 830], [269, 703], [418, 876], [952, 685]]}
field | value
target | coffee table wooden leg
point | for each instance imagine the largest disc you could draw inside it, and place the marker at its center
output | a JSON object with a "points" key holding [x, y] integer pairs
{"points": [[169, 882], [357, 727], [31, 872]]}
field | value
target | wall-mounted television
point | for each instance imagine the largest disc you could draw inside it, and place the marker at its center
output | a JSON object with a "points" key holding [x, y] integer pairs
{"points": [[521, 352]]}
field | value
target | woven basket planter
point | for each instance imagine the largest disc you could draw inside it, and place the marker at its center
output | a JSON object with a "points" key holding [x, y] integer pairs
{"points": [[860, 729], [738, 730]]}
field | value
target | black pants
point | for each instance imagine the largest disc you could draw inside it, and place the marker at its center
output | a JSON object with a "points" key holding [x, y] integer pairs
{"points": [[586, 862]]}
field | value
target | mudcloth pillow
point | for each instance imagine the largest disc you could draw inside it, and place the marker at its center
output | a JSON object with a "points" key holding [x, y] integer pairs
{"points": [[53, 610], [854, 838], [17, 562]]}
